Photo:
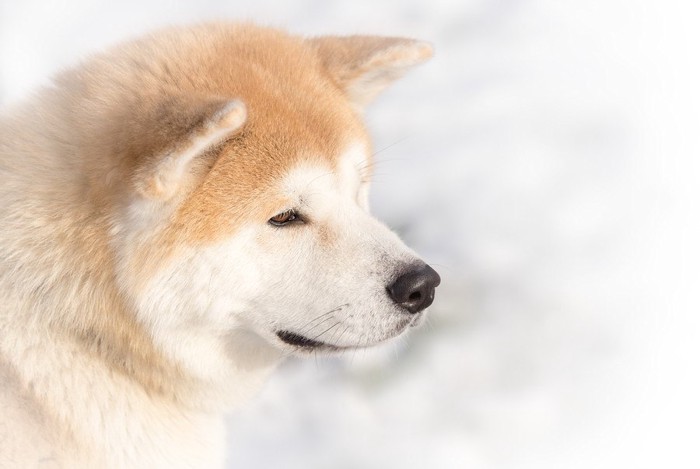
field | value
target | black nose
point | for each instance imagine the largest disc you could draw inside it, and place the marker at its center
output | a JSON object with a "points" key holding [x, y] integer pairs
{"points": [[415, 290]]}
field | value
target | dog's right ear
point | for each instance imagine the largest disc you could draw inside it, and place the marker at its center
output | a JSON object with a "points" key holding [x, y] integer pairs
{"points": [[189, 133], [364, 65]]}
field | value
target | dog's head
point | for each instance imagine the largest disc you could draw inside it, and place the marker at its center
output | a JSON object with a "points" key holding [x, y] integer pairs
{"points": [[242, 179]]}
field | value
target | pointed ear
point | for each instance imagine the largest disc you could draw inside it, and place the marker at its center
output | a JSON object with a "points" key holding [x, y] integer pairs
{"points": [[207, 125], [365, 65]]}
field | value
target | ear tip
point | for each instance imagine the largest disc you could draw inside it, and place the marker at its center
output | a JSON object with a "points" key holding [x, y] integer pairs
{"points": [[427, 50], [421, 51], [405, 53], [232, 114]]}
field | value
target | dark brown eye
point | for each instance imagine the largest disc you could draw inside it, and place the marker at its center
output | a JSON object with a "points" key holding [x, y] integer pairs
{"points": [[284, 218]]}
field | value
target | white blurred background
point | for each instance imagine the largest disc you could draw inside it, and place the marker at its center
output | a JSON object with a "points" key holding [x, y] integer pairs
{"points": [[546, 163]]}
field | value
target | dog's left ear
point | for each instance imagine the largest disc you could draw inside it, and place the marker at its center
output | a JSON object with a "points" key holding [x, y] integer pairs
{"points": [[163, 174], [364, 65]]}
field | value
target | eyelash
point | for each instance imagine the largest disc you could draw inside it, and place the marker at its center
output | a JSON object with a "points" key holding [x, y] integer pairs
{"points": [[285, 218]]}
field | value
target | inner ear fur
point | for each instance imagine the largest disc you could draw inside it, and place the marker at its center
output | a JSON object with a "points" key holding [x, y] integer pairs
{"points": [[191, 128], [364, 65]]}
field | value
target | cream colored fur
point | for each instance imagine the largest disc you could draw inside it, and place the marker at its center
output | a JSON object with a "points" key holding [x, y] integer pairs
{"points": [[141, 286]]}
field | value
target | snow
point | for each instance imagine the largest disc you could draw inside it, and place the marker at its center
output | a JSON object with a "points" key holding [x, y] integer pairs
{"points": [[545, 162]]}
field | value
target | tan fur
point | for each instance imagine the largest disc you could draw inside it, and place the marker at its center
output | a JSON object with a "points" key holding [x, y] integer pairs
{"points": [[75, 160]]}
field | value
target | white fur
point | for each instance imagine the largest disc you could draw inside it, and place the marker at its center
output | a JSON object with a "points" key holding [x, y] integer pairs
{"points": [[134, 430]]}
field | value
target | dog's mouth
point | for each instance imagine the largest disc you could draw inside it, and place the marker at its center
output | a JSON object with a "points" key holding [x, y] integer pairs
{"points": [[303, 343], [299, 340], [306, 344]]}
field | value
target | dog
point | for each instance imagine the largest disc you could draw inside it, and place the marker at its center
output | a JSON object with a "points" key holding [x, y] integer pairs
{"points": [[177, 215]]}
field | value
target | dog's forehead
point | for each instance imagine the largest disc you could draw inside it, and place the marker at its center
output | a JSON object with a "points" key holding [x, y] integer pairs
{"points": [[342, 174], [250, 186]]}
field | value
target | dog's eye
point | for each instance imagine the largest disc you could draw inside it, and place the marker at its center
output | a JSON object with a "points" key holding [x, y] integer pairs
{"points": [[284, 218]]}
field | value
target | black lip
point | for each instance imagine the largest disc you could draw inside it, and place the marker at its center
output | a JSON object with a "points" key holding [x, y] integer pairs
{"points": [[298, 341]]}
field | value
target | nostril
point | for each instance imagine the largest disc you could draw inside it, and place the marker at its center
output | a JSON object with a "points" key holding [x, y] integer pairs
{"points": [[414, 290]]}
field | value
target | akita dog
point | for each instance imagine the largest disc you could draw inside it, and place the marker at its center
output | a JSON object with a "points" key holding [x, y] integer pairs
{"points": [[177, 215]]}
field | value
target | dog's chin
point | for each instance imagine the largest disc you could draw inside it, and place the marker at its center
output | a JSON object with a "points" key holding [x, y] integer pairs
{"points": [[302, 344]]}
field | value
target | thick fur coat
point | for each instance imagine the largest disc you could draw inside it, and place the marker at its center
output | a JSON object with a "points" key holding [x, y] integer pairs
{"points": [[177, 214]]}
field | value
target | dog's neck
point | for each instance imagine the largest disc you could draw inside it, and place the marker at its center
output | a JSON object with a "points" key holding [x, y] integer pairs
{"points": [[202, 372], [116, 382], [105, 370]]}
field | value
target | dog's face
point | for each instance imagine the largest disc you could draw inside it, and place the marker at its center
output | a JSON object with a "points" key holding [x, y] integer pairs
{"points": [[317, 271], [257, 221]]}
